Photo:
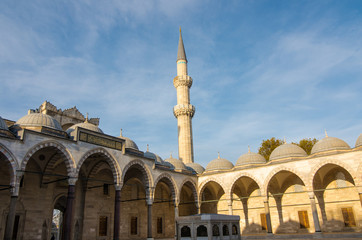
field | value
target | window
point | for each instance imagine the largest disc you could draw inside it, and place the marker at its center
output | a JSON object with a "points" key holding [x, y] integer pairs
{"points": [[159, 225], [103, 226], [348, 217], [303, 219], [225, 230], [264, 225], [106, 189], [234, 230], [134, 226], [202, 231], [215, 231], [185, 231]]}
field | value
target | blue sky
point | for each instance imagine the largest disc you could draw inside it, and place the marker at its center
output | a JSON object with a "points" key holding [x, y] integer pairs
{"points": [[261, 69]]}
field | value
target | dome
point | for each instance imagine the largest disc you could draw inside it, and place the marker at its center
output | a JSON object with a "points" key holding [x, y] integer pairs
{"points": [[250, 158], [287, 150], [329, 143], [359, 141], [148, 154], [196, 167], [129, 143], [176, 163], [219, 164], [3, 125], [85, 125], [39, 120]]}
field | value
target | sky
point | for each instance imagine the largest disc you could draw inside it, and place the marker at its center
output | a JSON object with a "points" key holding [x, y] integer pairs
{"points": [[260, 69]]}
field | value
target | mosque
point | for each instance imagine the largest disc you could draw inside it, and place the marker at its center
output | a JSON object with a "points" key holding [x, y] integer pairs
{"points": [[61, 177]]}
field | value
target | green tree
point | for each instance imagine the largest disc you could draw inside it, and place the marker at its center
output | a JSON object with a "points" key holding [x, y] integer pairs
{"points": [[267, 146], [307, 144]]}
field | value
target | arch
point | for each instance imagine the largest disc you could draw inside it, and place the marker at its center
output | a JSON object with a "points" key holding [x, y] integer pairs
{"points": [[13, 164], [323, 163], [194, 188], [203, 185], [278, 170], [230, 193], [69, 161], [170, 182], [113, 164], [144, 169]]}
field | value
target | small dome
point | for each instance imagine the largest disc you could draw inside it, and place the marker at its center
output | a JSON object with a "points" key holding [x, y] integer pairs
{"points": [[196, 167], [176, 163], [287, 150], [329, 143], [85, 125], [219, 164], [39, 120], [148, 154], [3, 125], [359, 141], [129, 143], [250, 158]]}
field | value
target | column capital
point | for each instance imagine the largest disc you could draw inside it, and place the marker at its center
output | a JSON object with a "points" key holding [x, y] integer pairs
{"points": [[72, 180], [184, 109], [183, 80]]}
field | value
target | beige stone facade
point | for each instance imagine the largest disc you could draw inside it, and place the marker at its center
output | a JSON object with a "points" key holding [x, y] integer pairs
{"points": [[103, 187]]}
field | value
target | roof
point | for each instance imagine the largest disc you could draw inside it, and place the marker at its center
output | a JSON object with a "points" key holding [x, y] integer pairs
{"points": [[181, 54]]}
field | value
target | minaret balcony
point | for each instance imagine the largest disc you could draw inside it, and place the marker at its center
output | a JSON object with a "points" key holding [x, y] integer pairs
{"points": [[184, 109], [183, 80]]}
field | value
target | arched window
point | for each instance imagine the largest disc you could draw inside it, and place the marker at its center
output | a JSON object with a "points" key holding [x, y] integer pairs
{"points": [[234, 230], [202, 231], [225, 230], [185, 231], [215, 230]]}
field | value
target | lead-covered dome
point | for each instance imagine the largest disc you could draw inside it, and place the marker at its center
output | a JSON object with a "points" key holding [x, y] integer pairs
{"points": [[85, 125], [287, 150], [250, 158], [359, 141], [219, 164], [3, 125], [148, 154], [328, 144], [176, 164], [196, 167], [34, 120], [129, 142]]}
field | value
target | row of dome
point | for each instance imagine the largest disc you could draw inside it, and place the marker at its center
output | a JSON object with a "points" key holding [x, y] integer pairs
{"points": [[284, 151]]}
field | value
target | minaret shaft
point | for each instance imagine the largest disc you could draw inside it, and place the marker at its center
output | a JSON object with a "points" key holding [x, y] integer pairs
{"points": [[183, 111]]}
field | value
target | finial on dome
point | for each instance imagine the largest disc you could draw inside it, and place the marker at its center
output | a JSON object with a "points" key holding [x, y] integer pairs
{"points": [[86, 118], [171, 154], [148, 148], [120, 134], [218, 155], [325, 131], [248, 149], [285, 141]]}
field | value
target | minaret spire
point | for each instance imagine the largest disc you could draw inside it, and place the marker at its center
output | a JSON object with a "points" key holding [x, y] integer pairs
{"points": [[183, 111], [181, 54]]}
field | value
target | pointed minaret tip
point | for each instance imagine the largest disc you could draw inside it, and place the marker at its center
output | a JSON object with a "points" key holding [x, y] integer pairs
{"points": [[181, 54]]}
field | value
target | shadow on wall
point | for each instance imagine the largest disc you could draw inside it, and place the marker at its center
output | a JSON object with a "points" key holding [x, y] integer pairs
{"points": [[334, 225], [291, 227], [252, 229]]}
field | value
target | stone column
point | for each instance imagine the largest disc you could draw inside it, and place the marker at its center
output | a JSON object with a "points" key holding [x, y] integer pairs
{"points": [[149, 219], [221, 231], [209, 231], [117, 213], [11, 216], [176, 216], [360, 197], [230, 205], [68, 216], [315, 212], [198, 206], [267, 215]]}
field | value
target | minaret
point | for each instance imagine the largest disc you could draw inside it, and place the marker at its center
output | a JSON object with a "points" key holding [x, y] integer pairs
{"points": [[183, 111]]}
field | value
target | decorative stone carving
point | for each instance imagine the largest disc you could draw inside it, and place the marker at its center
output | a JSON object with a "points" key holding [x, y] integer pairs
{"points": [[182, 109], [183, 80]]}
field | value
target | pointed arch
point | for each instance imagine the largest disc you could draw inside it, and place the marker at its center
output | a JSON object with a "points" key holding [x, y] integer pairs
{"points": [[170, 182], [324, 162], [280, 169], [13, 163], [188, 181], [69, 161], [244, 174], [203, 185], [143, 168], [113, 164]]}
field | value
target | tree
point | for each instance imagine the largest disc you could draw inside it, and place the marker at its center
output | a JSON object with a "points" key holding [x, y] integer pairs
{"points": [[267, 146], [307, 144]]}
